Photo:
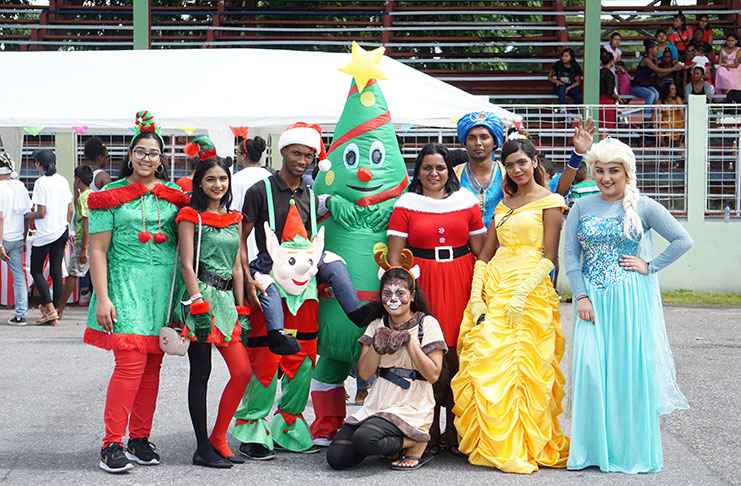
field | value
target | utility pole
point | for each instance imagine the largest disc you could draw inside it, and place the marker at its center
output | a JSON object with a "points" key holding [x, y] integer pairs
{"points": [[142, 24]]}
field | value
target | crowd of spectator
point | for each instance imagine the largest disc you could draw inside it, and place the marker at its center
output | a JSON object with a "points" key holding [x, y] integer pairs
{"points": [[676, 62]]}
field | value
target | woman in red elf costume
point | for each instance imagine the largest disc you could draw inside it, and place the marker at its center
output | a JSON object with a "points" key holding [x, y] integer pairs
{"points": [[210, 242], [132, 254]]}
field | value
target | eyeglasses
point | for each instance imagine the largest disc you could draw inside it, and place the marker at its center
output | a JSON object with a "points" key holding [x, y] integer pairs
{"points": [[140, 154]]}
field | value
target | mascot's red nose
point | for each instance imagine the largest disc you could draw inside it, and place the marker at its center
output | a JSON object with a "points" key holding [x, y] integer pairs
{"points": [[364, 174]]}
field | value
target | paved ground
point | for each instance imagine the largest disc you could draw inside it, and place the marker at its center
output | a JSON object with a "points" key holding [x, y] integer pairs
{"points": [[53, 389]]}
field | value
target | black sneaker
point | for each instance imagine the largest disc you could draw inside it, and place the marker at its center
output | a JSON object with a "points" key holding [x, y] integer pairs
{"points": [[366, 314], [141, 451], [256, 452], [16, 321], [282, 344], [113, 459]]}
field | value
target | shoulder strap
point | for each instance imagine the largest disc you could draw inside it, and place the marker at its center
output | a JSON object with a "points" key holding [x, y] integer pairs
{"points": [[312, 210], [271, 207], [421, 329]]}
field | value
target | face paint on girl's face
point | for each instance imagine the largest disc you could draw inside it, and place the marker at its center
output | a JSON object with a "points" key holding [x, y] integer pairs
{"points": [[395, 297]]}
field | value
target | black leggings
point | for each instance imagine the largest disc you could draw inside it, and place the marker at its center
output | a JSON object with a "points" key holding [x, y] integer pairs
{"points": [[353, 443], [199, 355], [55, 250]]}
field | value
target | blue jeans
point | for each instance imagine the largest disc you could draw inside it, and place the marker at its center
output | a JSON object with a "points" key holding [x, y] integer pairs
{"points": [[648, 93], [562, 93], [334, 274], [14, 249]]}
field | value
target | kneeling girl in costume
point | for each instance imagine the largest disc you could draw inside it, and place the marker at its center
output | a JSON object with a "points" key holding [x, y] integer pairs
{"points": [[406, 345], [209, 241]]}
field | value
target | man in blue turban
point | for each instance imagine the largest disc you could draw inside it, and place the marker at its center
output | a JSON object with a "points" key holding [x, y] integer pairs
{"points": [[481, 133]]}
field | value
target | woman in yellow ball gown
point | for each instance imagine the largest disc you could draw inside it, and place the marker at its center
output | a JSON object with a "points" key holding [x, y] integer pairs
{"points": [[509, 387]]}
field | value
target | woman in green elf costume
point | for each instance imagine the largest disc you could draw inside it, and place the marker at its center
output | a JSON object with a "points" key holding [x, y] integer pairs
{"points": [[132, 254]]}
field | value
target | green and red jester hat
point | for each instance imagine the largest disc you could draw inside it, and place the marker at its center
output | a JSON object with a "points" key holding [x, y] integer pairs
{"points": [[202, 146]]}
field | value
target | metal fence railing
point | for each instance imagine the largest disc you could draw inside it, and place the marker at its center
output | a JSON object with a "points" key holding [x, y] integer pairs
{"points": [[723, 161]]}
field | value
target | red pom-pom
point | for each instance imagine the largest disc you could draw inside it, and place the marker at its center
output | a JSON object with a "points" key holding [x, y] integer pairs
{"points": [[285, 431], [267, 432], [145, 236], [191, 150], [160, 237]]}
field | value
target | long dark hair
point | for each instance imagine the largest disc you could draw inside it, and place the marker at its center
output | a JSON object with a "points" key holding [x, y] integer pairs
{"points": [[253, 148], [198, 199], [125, 170], [47, 160], [452, 184], [420, 303], [526, 147]]}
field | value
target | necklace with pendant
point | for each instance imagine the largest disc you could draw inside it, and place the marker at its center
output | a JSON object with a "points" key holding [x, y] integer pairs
{"points": [[481, 189]]}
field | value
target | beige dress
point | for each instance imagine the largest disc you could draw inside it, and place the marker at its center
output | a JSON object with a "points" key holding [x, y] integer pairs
{"points": [[411, 409]]}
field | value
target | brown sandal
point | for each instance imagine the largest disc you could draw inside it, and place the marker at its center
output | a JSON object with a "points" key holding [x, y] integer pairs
{"points": [[48, 318]]}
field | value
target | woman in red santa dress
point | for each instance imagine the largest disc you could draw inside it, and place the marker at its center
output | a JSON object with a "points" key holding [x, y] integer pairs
{"points": [[442, 226]]}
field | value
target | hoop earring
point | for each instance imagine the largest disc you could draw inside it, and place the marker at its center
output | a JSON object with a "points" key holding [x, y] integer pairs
{"points": [[131, 166], [158, 169]]}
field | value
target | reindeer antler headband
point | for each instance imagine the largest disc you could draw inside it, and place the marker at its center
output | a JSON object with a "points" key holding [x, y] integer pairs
{"points": [[407, 264]]}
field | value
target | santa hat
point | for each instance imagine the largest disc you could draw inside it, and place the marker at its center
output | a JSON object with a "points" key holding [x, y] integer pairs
{"points": [[201, 146], [310, 135]]}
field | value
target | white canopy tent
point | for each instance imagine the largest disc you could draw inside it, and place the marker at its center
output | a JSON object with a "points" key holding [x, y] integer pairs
{"points": [[209, 89]]}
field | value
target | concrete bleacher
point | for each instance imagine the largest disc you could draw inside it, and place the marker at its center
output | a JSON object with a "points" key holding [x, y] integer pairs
{"points": [[503, 49]]}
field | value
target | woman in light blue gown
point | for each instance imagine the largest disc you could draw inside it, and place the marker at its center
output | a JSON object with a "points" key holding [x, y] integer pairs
{"points": [[623, 375]]}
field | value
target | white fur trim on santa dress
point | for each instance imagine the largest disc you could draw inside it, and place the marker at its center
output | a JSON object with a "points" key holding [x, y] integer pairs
{"points": [[458, 201]]}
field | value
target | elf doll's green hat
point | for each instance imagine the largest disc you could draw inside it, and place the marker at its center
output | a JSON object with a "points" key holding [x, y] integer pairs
{"points": [[201, 146], [145, 123]]}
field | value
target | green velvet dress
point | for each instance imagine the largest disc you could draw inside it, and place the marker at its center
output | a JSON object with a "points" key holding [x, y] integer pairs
{"points": [[140, 263], [219, 249]]}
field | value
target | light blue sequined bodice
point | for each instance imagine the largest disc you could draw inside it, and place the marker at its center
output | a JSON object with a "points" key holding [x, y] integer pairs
{"points": [[603, 242]]}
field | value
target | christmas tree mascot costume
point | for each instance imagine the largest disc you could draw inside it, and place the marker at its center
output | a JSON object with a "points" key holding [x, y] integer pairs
{"points": [[295, 265], [366, 176]]}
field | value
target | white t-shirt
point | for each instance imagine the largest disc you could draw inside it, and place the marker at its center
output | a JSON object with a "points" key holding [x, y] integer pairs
{"points": [[14, 203], [53, 193], [701, 61], [241, 182]]}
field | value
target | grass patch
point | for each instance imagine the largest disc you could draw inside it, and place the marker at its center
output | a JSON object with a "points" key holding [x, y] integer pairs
{"points": [[690, 298]]}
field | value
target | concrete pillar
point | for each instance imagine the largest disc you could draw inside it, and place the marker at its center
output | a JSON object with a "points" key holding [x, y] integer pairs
{"points": [[65, 148], [697, 144], [142, 24], [592, 29]]}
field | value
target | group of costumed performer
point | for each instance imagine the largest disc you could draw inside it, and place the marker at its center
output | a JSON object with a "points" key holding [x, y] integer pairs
{"points": [[509, 386], [364, 175], [210, 299], [267, 206], [132, 254]]}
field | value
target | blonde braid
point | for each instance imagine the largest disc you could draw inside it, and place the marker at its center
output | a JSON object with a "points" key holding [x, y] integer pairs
{"points": [[632, 225]]}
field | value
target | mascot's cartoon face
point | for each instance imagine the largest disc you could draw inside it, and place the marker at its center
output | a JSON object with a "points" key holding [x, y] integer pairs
{"points": [[295, 262]]}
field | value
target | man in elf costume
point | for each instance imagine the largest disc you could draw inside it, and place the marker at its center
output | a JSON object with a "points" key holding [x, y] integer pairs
{"points": [[295, 265], [364, 174]]}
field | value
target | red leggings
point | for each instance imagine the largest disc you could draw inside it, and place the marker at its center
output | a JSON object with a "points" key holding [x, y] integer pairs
{"points": [[132, 395]]}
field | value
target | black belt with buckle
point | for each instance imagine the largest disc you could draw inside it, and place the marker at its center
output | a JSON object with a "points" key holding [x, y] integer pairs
{"points": [[262, 341], [214, 279], [400, 376], [441, 253]]}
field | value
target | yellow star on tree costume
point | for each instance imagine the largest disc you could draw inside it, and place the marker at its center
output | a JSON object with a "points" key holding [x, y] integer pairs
{"points": [[365, 65]]}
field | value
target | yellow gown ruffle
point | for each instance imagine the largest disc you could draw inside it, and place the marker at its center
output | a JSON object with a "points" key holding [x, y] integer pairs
{"points": [[509, 386]]}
